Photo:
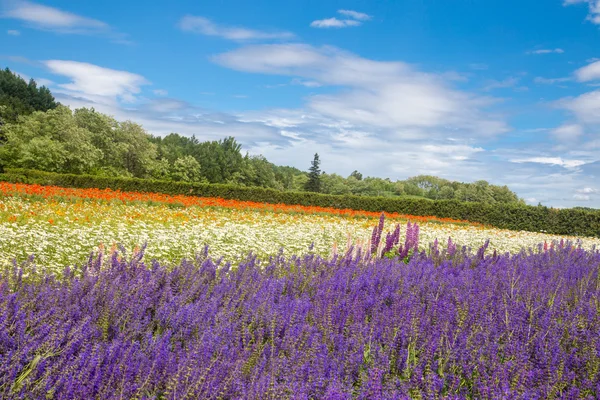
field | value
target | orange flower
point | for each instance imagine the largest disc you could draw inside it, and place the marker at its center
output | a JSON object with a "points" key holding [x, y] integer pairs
{"points": [[54, 192]]}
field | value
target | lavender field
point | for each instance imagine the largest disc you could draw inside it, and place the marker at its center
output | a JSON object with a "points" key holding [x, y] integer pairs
{"points": [[444, 324]]}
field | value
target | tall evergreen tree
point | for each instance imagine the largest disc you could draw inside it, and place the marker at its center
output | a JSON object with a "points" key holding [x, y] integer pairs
{"points": [[314, 176]]}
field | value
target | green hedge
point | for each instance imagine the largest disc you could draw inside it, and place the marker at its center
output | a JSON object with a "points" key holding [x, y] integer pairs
{"points": [[514, 217]]}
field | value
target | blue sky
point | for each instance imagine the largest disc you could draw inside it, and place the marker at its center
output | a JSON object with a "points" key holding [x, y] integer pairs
{"points": [[506, 91]]}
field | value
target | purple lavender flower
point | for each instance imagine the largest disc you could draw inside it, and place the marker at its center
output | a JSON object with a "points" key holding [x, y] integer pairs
{"points": [[509, 326]]}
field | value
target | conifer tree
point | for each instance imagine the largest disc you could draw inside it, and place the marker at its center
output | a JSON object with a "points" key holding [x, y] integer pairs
{"points": [[314, 176]]}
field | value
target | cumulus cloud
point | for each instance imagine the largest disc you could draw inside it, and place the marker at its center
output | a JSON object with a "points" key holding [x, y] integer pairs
{"points": [[205, 26]]}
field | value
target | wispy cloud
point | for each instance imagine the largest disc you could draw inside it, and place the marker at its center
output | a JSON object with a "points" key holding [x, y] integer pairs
{"points": [[48, 18], [567, 132], [594, 9], [334, 23], [355, 15], [546, 51], [587, 190], [581, 197], [205, 26], [551, 161], [13, 32], [353, 18], [160, 92], [551, 81], [97, 83], [509, 82]]}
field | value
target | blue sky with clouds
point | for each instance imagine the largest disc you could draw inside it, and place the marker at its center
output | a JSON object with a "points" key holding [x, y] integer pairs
{"points": [[507, 91]]}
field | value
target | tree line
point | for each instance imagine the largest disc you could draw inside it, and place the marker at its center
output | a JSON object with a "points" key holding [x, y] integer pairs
{"points": [[36, 132]]}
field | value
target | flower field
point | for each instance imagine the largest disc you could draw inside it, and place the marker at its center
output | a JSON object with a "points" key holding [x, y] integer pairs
{"points": [[442, 326], [209, 298], [63, 226]]}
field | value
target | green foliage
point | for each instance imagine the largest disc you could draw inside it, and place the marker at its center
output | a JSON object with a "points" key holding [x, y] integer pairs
{"points": [[508, 216], [314, 176], [357, 175], [17, 97], [51, 141], [186, 169]]}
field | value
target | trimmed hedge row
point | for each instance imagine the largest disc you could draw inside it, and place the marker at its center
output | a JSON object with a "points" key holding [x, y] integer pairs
{"points": [[507, 216]]}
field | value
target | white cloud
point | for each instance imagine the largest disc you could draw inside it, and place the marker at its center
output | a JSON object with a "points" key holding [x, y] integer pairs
{"points": [[551, 161], [355, 15], [551, 81], [354, 18], [44, 82], [386, 95], [581, 197], [567, 132], [205, 26], [594, 9], [546, 51], [46, 17], [13, 32], [588, 73], [97, 83], [586, 107], [587, 190], [160, 92], [167, 105], [334, 23], [310, 84]]}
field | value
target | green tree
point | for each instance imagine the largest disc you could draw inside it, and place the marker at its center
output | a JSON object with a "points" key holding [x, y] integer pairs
{"points": [[446, 193], [20, 98], [139, 154], [314, 176], [334, 184], [50, 141], [357, 175], [186, 169]]}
